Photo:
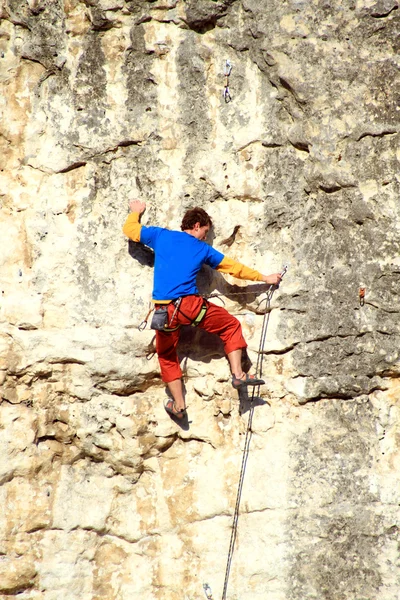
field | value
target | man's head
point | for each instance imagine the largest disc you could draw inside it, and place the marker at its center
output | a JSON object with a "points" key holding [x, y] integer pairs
{"points": [[196, 222]]}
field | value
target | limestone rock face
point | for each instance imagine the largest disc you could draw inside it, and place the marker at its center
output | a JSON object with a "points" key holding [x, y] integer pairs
{"points": [[103, 496]]}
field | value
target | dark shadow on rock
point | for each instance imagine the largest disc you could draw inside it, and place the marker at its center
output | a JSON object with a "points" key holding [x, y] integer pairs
{"points": [[141, 253], [209, 280], [247, 400], [199, 345], [202, 346], [202, 15], [183, 423]]}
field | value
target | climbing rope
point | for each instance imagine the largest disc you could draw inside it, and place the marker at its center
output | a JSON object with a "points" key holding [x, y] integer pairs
{"points": [[249, 431]]}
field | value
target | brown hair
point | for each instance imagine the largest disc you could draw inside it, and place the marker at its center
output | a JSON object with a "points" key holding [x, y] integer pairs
{"points": [[193, 216]]}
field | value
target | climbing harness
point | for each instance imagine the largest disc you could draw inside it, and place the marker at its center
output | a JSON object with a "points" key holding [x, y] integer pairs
{"points": [[207, 591], [361, 295], [227, 71], [160, 321], [162, 312], [249, 432]]}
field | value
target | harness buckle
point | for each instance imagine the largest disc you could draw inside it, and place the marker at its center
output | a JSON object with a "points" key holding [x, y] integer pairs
{"points": [[201, 314]]}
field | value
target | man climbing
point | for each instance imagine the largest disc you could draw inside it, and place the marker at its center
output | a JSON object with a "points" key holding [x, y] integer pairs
{"points": [[179, 256]]}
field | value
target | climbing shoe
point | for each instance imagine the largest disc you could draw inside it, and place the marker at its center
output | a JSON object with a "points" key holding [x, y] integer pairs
{"points": [[248, 380], [173, 411]]}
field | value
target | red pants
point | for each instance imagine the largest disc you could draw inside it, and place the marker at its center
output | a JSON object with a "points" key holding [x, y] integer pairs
{"points": [[217, 320]]}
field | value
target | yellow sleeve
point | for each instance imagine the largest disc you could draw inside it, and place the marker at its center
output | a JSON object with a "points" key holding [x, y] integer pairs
{"points": [[132, 227], [227, 265]]}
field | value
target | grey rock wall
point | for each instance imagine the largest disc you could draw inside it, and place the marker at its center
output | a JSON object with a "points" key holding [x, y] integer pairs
{"points": [[103, 101]]}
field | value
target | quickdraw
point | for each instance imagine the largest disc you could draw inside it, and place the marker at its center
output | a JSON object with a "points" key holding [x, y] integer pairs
{"points": [[207, 591], [361, 295], [227, 71], [177, 305]]}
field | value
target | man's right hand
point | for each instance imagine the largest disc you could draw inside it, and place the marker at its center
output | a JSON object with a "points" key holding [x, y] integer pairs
{"points": [[273, 279], [137, 206]]}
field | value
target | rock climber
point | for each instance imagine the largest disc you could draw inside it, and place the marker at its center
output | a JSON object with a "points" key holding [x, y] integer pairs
{"points": [[179, 256]]}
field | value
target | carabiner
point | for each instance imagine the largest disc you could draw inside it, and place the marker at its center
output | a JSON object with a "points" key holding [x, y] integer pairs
{"points": [[228, 68], [284, 270], [227, 72], [143, 324], [227, 95]]}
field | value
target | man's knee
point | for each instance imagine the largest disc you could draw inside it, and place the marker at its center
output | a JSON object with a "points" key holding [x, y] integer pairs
{"points": [[170, 371]]}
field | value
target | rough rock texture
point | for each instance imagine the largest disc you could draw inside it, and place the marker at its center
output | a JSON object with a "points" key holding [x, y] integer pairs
{"points": [[103, 497]]}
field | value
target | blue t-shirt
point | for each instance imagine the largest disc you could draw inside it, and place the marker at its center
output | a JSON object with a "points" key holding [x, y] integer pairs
{"points": [[179, 256]]}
